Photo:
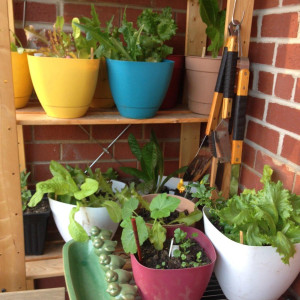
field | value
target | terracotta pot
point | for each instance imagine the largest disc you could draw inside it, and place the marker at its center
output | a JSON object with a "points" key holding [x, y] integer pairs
{"points": [[179, 284], [201, 77], [174, 92]]}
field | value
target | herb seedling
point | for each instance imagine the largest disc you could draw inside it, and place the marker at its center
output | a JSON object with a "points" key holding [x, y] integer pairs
{"points": [[25, 193]]}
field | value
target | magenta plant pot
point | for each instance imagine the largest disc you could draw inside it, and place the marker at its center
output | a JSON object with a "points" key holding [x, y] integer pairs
{"points": [[179, 284]]}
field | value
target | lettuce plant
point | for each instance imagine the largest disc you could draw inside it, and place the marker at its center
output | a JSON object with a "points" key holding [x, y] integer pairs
{"points": [[74, 186], [270, 216], [144, 43]]}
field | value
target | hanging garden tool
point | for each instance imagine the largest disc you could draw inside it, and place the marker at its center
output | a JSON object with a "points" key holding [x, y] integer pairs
{"points": [[217, 132]]}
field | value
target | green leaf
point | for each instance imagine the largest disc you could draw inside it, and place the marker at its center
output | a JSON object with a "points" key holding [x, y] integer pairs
{"points": [[129, 207], [114, 210], [76, 30], [76, 231], [157, 235], [135, 172], [284, 247], [188, 220], [162, 205], [127, 238], [59, 22], [149, 159], [36, 198], [89, 187]]}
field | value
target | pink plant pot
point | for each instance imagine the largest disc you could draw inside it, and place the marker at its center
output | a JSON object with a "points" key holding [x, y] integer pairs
{"points": [[179, 284]]}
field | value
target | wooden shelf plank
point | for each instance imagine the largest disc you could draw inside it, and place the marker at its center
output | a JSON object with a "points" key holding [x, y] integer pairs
{"points": [[44, 268], [35, 115]]}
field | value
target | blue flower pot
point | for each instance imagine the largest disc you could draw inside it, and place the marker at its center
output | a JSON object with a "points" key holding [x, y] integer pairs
{"points": [[138, 88]]}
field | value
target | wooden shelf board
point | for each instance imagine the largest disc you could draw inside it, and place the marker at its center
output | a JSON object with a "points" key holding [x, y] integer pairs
{"points": [[35, 115]]}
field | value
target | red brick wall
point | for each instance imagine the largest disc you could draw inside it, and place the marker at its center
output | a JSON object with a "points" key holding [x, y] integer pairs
{"points": [[273, 130]]}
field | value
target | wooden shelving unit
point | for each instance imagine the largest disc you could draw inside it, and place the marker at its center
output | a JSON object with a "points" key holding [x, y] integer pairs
{"points": [[15, 268]]}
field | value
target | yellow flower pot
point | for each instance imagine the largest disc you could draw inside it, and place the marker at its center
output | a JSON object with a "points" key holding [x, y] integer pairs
{"points": [[65, 87], [103, 97], [21, 79]]}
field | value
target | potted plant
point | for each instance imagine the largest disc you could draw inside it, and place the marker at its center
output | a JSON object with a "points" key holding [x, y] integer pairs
{"points": [[66, 93], [80, 200], [183, 276], [21, 77], [202, 72], [257, 238], [150, 177], [138, 74], [34, 220]]}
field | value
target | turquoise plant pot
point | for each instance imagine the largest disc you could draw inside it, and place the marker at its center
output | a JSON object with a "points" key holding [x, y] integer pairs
{"points": [[138, 88]]}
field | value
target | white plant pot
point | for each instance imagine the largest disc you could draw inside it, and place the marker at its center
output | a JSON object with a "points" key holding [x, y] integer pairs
{"points": [[86, 216], [250, 272]]}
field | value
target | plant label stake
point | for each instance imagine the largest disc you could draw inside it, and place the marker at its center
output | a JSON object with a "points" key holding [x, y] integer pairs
{"points": [[173, 248], [136, 237]]}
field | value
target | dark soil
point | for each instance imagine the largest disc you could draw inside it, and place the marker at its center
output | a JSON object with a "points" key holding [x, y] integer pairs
{"points": [[152, 258], [43, 206], [145, 214]]}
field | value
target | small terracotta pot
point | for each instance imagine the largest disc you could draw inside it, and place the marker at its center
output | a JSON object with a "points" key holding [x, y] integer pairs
{"points": [[201, 77], [179, 284]]}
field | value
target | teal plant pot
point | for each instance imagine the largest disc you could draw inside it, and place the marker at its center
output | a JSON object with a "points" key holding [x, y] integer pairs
{"points": [[139, 88]]}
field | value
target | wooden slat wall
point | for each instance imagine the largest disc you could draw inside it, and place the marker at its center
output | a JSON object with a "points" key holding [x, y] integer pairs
{"points": [[12, 259]]}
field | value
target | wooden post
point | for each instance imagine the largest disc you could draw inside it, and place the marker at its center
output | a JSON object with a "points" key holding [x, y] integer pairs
{"points": [[195, 38], [12, 258]]}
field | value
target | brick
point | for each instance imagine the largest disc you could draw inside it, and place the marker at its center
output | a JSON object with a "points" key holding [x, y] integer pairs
{"points": [[261, 53], [21, 36], [280, 25], [297, 92], [266, 138], [44, 133], [177, 42], [35, 12], [145, 3], [281, 171], [41, 172], [254, 27], [41, 152], [165, 131], [284, 117], [290, 2], [181, 22], [171, 150], [255, 107], [110, 132], [132, 14], [80, 10], [291, 149], [176, 4], [265, 4], [249, 179], [85, 151], [171, 166], [122, 151], [265, 82], [284, 86], [248, 155], [296, 191], [27, 133], [288, 56]]}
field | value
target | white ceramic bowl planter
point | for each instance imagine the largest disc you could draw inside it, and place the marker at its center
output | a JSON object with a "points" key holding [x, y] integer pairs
{"points": [[250, 272], [87, 216]]}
